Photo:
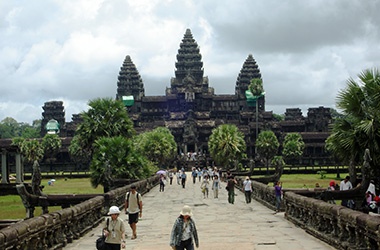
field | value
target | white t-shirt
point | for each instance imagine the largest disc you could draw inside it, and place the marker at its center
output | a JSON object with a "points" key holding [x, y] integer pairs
{"points": [[371, 188], [133, 207], [345, 185], [247, 185]]}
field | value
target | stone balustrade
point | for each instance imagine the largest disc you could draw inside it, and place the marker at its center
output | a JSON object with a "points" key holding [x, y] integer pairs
{"points": [[55, 230], [339, 226]]}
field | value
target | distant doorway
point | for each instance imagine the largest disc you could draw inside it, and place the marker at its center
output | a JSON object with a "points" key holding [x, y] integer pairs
{"points": [[190, 148]]}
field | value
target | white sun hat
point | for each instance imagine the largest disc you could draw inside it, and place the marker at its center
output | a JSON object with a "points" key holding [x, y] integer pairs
{"points": [[114, 210], [186, 210]]}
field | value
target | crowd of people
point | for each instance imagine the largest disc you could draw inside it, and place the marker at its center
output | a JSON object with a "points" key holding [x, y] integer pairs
{"points": [[184, 234]]}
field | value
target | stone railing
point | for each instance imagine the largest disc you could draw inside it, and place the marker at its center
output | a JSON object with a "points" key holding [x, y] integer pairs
{"points": [[339, 226], [55, 230]]}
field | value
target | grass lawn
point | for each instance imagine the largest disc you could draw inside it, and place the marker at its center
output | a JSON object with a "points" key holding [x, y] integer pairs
{"points": [[12, 208], [309, 180]]}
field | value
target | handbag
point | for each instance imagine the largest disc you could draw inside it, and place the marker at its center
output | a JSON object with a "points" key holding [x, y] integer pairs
{"points": [[101, 241]]}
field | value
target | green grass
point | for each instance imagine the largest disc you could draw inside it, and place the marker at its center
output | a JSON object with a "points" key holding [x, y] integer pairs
{"points": [[12, 208], [308, 180]]}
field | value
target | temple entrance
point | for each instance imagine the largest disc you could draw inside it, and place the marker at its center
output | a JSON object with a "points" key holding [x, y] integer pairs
{"points": [[190, 148]]}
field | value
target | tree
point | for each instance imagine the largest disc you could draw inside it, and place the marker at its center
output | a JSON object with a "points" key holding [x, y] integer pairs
{"points": [[256, 87], [257, 90], [359, 126], [226, 145], [293, 146], [105, 118], [157, 145], [77, 153], [10, 128], [33, 152], [116, 157], [51, 144], [267, 146]]}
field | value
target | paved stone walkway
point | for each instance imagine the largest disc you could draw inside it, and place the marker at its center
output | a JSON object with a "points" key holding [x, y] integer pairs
{"points": [[220, 225]]}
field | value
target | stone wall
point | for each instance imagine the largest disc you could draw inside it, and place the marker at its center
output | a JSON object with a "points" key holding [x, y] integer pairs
{"points": [[55, 230], [339, 226]]}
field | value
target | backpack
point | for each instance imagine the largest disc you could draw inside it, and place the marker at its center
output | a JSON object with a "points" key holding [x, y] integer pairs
{"points": [[137, 197]]}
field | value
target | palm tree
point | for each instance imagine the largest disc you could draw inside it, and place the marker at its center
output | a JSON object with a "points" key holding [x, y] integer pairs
{"points": [[33, 152], [293, 146], [157, 145], [116, 157], [267, 146], [257, 90], [359, 127], [226, 145], [51, 144], [105, 118]]}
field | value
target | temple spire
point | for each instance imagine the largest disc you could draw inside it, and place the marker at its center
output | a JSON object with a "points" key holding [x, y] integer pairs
{"points": [[129, 81], [189, 60], [249, 71]]}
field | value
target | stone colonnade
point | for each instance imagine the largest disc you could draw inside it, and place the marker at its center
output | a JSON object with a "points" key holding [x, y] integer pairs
{"points": [[5, 167]]}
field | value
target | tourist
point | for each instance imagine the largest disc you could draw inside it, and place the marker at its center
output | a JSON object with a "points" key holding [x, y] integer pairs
{"points": [[133, 207], [331, 187], [247, 186], [372, 188], [216, 186], [346, 185], [184, 232], [194, 175], [162, 182], [199, 173], [183, 178], [114, 230], [171, 177], [278, 193], [204, 187], [231, 181], [178, 175]]}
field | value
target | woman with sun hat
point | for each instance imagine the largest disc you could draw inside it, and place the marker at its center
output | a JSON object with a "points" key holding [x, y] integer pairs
{"points": [[114, 230], [184, 231]]}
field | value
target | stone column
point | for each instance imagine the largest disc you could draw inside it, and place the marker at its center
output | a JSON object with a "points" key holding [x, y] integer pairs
{"points": [[19, 172], [4, 172]]}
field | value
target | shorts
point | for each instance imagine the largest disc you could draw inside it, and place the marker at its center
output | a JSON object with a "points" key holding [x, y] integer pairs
{"points": [[133, 218]]}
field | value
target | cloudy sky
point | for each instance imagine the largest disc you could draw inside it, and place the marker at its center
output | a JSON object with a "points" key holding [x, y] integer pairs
{"points": [[72, 50]]}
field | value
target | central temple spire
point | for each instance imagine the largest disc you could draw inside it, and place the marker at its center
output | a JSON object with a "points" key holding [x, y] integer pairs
{"points": [[189, 60]]}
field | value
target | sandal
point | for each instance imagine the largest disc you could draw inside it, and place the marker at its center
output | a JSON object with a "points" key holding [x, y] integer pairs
{"points": [[134, 237]]}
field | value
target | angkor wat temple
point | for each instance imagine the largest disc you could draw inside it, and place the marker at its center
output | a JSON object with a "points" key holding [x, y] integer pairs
{"points": [[191, 109]]}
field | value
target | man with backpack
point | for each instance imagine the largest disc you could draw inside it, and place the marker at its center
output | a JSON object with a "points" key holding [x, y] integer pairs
{"points": [[133, 207]]}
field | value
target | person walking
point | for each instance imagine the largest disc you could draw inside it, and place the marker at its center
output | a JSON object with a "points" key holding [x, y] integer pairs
{"points": [[216, 186], [194, 175], [184, 232], [114, 230], [133, 207], [171, 177], [162, 182], [346, 185], [204, 187], [199, 173], [278, 193], [183, 178], [179, 177], [231, 181], [247, 186]]}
